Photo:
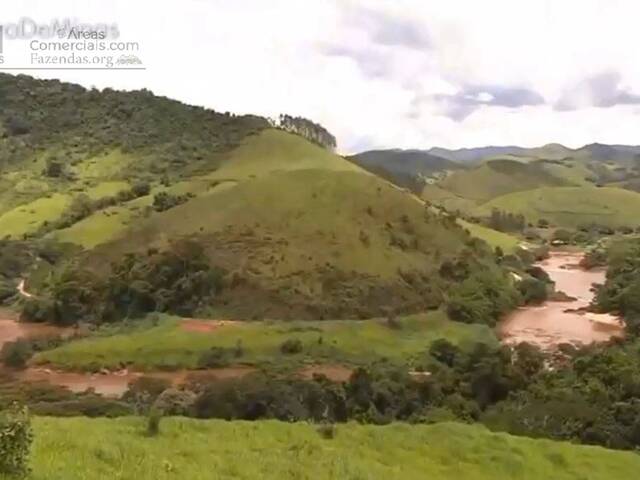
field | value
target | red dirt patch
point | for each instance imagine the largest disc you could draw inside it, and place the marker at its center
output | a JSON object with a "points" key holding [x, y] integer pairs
{"points": [[204, 326]]}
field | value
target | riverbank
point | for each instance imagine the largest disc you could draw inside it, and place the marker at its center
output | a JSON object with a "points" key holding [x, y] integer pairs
{"points": [[567, 320], [175, 348]]}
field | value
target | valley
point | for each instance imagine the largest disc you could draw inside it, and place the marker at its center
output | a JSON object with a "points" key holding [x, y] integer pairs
{"points": [[210, 267]]}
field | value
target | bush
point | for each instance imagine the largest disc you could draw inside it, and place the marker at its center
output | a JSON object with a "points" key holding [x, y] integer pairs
{"points": [[15, 441], [291, 346], [444, 351], [39, 310], [175, 402], [327, 431], [16, 354], [140, 189], [533, 290], [165, 201], [393, 323], [215, 357], [153, 422], [563, 235], [143, 391]]}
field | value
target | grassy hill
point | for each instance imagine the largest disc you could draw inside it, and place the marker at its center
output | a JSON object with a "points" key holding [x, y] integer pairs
{"points": [[269, 152], [491, 179], [58, 141], [299, 230], [571, 206], [198, 449], [548, 165], [475, 155], [323, 242], [407, 168]]}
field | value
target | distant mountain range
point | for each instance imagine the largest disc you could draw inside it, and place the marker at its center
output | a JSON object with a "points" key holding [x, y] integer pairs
{"points": [[408, 168], [551, 151]]}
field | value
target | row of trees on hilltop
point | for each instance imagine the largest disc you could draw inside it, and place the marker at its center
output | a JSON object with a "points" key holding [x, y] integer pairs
{"points": [[310, 130]]}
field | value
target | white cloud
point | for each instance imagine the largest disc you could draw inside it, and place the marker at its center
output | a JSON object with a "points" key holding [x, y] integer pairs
{"points": [[375, 72]]}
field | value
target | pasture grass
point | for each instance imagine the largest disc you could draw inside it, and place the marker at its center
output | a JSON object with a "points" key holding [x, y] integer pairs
{"points": [[27, 218], [106, 449], [508, 243], [170, 346], [571, 206]]}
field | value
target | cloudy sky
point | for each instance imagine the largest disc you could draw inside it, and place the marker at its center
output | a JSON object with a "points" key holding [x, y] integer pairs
{"points": [[383, 73]]}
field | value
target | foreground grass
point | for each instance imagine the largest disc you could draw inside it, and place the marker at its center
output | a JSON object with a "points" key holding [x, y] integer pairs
{"points": [[169, 345], [80, 448]]}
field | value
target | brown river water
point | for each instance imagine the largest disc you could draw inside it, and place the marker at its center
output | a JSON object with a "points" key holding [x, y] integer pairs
{"points": [[556, 322], [547, 326]]}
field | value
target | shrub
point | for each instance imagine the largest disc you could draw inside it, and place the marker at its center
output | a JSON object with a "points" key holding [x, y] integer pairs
{"points": [[215, 357], [165, 201], [327, 431], [238, 351], [175, 402], [15, 441], [393, 323], [140, 189], [143, 391], [444, 351], [291, 346], [38, 310], [53, 168], [563, 235], [533, 290], [16, 354], [153, 422]]}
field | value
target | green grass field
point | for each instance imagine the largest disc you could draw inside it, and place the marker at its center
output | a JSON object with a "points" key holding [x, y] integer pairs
{"points": [[29, 217], [508, 243], [169, 345], [274, 151], [498, 177], [571, 206], [106, 449]]}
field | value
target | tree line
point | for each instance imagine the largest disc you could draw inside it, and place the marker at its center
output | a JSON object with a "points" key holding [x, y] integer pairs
{"points": [[312, 131]]}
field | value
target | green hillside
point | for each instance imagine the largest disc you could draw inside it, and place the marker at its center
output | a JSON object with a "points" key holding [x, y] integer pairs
{"points": [[495, 178], [571, 206], [322, 242], [298, 229], [80, 448], [406, 168], [269, 152]]}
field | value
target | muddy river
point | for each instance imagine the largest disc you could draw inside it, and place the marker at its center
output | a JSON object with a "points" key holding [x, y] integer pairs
{"points": [[556, 322], [547, 326]]}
